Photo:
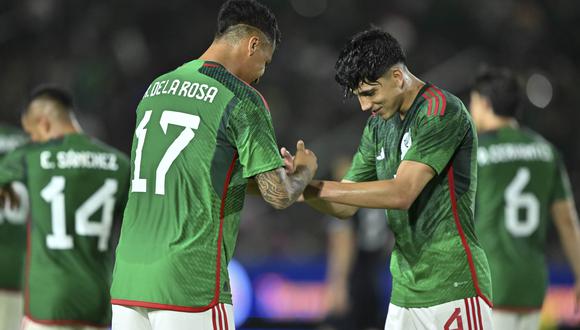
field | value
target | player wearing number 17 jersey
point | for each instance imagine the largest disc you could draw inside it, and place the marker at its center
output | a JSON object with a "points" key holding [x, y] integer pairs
{"points": [[202, 133], [522, 185], [75, 185]]}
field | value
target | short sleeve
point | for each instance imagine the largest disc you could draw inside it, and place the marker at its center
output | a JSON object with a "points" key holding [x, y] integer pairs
{"points": [[12, 166], [363, 166], [436, 138], [562, 188], [252, 133]]}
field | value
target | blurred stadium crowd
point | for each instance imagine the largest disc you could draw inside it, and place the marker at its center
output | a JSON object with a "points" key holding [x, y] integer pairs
{"points": [[108, 51]]}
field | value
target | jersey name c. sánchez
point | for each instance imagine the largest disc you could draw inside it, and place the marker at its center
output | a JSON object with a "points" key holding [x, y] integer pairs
{"points": [[74, 197]]}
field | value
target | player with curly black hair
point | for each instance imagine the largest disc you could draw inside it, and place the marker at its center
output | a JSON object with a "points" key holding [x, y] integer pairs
{"points": [[417, 160], [203, 134]]}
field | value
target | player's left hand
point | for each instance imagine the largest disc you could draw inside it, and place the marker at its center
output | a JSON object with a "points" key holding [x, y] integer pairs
{"points": [[288, 160]]}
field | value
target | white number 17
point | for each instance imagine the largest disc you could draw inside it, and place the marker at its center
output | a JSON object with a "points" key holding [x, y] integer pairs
{"points": [[188, 122]]}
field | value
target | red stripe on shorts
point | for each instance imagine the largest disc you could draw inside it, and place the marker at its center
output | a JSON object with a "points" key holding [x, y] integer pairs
{"points": [[467, 313]]}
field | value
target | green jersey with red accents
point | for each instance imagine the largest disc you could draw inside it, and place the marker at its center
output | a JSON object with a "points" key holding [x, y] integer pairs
{"points": [[12, 220], [201, 134], [520, 176], [76, 185], [437, 257]]}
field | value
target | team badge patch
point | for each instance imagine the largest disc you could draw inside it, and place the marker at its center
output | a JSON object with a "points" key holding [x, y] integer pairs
{"points": [[406, 143]]}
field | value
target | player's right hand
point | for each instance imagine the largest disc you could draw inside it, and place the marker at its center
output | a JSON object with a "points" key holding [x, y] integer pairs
{"points": [[305, 157]]}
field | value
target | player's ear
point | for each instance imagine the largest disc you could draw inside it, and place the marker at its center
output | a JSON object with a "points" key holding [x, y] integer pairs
{"points": [[397, 75], [253, 44], [44, 125]]}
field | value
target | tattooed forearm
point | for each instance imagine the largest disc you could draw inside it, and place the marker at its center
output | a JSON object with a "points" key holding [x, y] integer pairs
{"points": [[281, 190]]}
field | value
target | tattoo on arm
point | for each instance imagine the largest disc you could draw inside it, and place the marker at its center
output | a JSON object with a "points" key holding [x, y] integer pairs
{"points": [[281, 190]]}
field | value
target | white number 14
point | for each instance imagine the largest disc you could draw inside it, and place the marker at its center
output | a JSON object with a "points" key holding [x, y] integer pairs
{"points": [[188, 122], [104, 198]]}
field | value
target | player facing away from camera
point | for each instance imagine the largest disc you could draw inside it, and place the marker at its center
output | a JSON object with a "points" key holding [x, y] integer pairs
{"points": [[202, 133], [417, 160], [522, 186], [75, 185], [12, 239]]}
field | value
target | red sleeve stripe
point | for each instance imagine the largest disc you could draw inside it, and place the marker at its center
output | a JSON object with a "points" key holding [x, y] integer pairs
{"points": [[433, 97], [211, 65], [443, 99], [428, 98]]}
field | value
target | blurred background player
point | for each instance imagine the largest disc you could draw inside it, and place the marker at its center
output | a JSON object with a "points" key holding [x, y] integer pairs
{"points": [[12, 239], [417, 160], [522, 185], [203, 132], [76, 185], [358, 283]]}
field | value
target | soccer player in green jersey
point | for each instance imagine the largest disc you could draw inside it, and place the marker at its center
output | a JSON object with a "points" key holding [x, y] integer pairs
{"points": [[417, 160], [202, 134], [12, 239], [75, 185], [522, 186]]}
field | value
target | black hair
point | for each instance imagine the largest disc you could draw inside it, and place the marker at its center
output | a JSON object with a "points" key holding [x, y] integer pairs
{"points": [[56, 94], [502, 88], [366, 57], [249, 12]]}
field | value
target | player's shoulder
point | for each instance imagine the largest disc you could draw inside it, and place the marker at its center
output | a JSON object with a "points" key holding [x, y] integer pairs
{"points": [[104, 147], [437, 103], [241, 90], [539, 139]]}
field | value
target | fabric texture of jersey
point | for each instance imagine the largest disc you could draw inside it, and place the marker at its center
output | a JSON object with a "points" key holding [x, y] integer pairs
{"points": [[437, 257], [12, 221], [75, 186], [520, 176], [179, 229]]}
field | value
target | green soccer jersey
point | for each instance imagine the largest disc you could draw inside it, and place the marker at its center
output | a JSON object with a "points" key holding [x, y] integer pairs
{"points": [[201, 133], [437, 257], [520, 176], [12, 220], [75, 185]]}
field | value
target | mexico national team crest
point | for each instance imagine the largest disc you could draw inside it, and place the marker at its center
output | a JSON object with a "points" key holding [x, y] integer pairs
{"points": [[406, 143]]}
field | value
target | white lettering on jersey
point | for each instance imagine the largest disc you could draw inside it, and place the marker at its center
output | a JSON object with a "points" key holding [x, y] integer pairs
{"points": [[45, 162], [183, 88], [507, 152], [79, 159]]}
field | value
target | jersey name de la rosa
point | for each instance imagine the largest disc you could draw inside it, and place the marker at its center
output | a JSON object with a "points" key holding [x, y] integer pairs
{"points": [[76, 185], [12, 220], [201, 134], [437, 257], [520, 176]]}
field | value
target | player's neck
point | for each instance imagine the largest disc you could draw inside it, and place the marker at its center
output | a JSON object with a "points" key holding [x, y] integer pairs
{"points": [[64, 129], [410, 94], [496, 123], [222, 53]]}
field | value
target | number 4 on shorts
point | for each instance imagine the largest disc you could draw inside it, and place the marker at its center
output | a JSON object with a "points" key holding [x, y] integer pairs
{"points": [[454, 322]]}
